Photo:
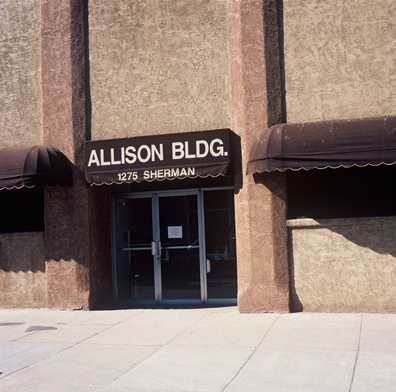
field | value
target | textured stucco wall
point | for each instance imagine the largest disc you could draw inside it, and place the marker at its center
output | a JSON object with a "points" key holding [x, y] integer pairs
{"points": [[67, 244], [22, 270], [20, 80], [343, 265], [260, 201], [157, 67], [340, 58]]}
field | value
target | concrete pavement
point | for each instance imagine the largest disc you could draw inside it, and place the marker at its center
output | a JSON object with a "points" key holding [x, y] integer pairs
{"points": [[205, 349]]}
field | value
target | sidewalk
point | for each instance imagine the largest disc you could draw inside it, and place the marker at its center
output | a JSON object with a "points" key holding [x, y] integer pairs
{"points": [[216, 349]]}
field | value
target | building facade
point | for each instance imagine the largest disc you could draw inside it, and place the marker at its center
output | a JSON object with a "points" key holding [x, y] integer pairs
{"points": [[157, 105]]}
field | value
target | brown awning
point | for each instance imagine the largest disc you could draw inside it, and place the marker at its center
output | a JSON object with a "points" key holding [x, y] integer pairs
{"points": [[346, 143], [158, 157], [34, 166]]}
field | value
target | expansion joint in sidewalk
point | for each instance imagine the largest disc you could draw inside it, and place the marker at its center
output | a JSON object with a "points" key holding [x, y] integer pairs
{"points": [[357, 354], [251, 355]]}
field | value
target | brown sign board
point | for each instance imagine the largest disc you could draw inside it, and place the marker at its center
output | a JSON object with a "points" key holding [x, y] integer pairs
{"points": [[158, 157]]}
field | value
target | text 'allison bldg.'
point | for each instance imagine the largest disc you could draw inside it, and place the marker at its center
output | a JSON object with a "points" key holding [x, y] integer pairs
{"points": [[198, 152]]}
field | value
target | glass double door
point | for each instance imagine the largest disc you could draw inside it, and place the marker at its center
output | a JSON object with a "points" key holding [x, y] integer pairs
{"points": [[159, 248]]}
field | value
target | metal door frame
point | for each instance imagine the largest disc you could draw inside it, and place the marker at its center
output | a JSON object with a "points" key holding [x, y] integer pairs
{"points": [[155, 195], [157, 240]]}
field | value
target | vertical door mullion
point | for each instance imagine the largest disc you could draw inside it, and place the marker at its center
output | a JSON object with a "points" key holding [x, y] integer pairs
{"points": [[202, 246], [156, 257]]}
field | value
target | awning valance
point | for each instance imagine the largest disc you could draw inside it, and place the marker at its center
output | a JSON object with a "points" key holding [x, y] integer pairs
{"points": [[158, 157], [34, 166], [346, 143]]}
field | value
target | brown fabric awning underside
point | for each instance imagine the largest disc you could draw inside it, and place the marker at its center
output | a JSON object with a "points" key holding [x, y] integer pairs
{"points": [[346, 143], [34, 166]]}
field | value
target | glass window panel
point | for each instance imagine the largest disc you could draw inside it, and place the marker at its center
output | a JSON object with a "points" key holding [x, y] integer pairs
{"points": [[180, 269], [220, 244], [134, 233]]}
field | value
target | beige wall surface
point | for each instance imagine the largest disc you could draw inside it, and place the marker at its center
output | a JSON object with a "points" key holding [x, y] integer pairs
{"points": [[157, 67], [340, 58], [20, 80], [343, 265], [22, 270]]}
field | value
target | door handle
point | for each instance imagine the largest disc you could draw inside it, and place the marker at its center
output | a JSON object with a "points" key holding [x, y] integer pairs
{"points": [[208, 267], [154, 250]]}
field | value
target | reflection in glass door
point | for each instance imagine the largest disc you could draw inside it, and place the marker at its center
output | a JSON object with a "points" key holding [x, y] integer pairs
{"points": [[220, 244], [133, 237], [180, 262]]}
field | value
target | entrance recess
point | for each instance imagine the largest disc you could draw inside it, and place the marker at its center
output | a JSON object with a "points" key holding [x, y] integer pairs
{"points": [[174, 247]]}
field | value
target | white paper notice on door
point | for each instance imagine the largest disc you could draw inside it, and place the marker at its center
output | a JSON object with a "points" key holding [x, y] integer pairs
{"points": [[175, 231]]}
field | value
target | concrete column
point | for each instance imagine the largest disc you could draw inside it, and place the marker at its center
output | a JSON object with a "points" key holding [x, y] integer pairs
{"points": [[260, 201], [72, 236]]}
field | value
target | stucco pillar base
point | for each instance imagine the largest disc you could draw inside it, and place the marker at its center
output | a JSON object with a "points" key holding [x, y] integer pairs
{"points": [[67, 244], [260, 201], [263, 298], [67, 285], [78, 245], [263, 273]]}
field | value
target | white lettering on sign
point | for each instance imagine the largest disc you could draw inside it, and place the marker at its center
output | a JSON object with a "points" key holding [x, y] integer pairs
{"points": [[168, 173], [122, 155], [130, 152], [187, 154], [93, 158], [112, 160], [145, 153], [127, 176], [102, 160], [140, 156], [177, 150], [202, 148], [205, 150], [160, 153], [127, 155], [219, 149]]}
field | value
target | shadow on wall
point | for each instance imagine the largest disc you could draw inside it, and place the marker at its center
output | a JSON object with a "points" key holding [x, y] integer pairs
{"points": [[275, 182], [22, 252], [376, 234], [295, 303], [235, 141], [354, 256], [78, 235], [22, 270], [76, 243]]}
